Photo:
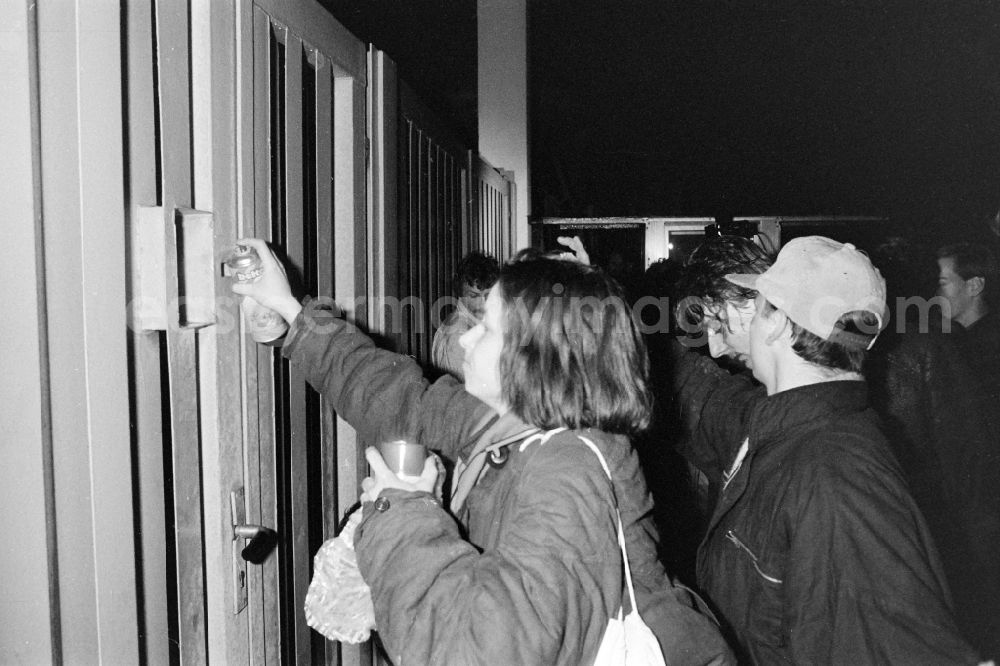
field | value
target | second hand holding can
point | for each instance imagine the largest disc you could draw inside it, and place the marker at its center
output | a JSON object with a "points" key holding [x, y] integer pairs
{"points": [[405, 459]]}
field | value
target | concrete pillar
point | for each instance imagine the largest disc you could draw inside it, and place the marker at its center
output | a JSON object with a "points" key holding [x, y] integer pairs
{"points": [[503, 97]]}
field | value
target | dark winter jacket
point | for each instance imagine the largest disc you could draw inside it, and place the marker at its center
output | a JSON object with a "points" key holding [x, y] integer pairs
{"points": [[539, 573], [816, 553], [942, 428]]}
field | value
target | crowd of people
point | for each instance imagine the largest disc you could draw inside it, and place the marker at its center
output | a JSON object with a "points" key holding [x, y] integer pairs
{"points": [[821, 467]]}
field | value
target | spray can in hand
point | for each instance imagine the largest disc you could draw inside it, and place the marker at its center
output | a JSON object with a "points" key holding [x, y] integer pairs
{"points": [[266, 325]]}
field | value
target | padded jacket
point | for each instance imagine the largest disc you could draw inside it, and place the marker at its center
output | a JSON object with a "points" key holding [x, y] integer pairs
{"points": [[534, 572], [816, 553]]}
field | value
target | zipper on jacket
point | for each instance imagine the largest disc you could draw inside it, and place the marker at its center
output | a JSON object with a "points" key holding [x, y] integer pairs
{"points": [[753, 558]]}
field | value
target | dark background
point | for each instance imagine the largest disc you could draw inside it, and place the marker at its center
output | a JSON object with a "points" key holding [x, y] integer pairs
{"points": [[693, 107]]}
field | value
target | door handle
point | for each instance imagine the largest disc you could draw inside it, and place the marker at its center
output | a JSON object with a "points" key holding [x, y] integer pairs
{"points": [[262, 542]]}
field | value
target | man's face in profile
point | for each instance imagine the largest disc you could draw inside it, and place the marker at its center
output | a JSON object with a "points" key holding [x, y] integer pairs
{"points": [[953, 288], [728, 328]]}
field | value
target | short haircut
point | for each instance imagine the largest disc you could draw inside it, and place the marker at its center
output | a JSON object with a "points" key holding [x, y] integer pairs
{"points": [[973, 260], [827, 353], [703, 282], [477, 269], [572, 356]]}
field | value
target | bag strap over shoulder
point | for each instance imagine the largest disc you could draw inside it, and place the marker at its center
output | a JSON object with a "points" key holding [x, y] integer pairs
{"points": [[621, 529]]}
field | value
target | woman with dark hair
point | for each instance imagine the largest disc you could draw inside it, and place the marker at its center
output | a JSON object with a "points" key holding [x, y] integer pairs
{"points": [[572, 356], [538, 572]]}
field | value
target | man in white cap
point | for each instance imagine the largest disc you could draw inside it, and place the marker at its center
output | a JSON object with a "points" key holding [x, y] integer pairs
{"points": [[816, 553]]}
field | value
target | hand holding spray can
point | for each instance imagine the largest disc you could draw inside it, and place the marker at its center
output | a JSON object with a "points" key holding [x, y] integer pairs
{"points": [[265, 324]]}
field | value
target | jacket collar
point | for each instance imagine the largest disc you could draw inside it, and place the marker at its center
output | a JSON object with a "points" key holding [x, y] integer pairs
{"points": [[494, 434], [794, 408]]}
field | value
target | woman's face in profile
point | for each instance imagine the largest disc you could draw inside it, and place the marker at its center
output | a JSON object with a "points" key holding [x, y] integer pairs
{"points": [[483, 345]]}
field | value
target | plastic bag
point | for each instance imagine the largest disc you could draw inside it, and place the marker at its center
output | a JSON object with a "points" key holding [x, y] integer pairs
{"points": [[339, 602], [629, 642]]}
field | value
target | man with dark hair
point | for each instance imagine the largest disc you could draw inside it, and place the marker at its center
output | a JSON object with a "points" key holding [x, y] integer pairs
{"points": [[816, 553], [475, 275], [968, 280], [716, 313], [715, 306]]}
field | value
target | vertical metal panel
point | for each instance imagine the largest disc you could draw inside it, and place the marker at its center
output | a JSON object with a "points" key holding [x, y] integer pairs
{"points": [[80, 112], [441, 222], [324, 262], [217, 179], [387, 225], [413, 219], [482, 220], [261, 493], [324, 289], [30, 630], [173, 39], [430, 189], [454, 218], [200, 231], [483, 211], [376, 192], [145, 384], [251, 102], [296, 535], [350, 168], [77, 584], [349, 272], [438, 227], [471, 202], [510, 218], [420, 210], [449, 220], [350, 251], [497, 214], [488, 216], [427, 224]]}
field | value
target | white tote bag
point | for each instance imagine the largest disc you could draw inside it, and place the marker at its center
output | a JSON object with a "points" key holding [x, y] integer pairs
{"points": [[626, 641]]}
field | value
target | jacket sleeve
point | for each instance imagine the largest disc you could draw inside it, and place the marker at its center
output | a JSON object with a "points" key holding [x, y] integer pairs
{"points": [[862, 584], [383, 395], [713, 409], [543, 596]]}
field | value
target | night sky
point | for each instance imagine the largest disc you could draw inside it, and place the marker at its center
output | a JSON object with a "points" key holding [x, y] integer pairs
{"points": [[742, 108]]}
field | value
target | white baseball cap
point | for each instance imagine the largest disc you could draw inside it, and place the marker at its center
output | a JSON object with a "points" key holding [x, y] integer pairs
{"points": [[815, 281]]}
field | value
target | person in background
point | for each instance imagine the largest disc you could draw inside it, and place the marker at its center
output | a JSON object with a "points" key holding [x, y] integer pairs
{"points": [[716, 314], [968, 465], [816, 552], [968, 279], [676, 510], [530, 572], [476, 273]]}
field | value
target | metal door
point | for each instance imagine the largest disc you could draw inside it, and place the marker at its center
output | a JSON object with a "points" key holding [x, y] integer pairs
{"points": [[307, 176], [244, 118]]}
